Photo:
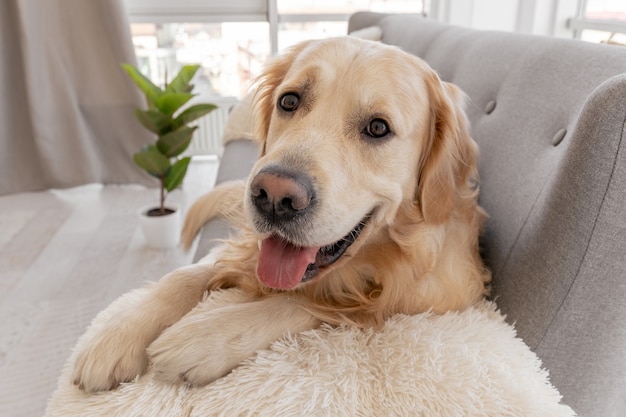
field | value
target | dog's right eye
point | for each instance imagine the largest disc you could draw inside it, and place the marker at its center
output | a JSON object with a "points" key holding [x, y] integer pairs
{"points": [[289, 102], [377, 128]]}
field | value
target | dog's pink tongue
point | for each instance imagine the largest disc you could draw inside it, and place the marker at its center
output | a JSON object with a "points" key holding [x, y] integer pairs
{"points": [[281, 264]]}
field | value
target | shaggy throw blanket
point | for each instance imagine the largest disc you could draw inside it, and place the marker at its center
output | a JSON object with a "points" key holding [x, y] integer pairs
{"points": [[456, 364]]}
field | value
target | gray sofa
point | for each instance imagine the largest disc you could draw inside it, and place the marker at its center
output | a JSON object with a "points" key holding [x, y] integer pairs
{"points": [[550, 118]]}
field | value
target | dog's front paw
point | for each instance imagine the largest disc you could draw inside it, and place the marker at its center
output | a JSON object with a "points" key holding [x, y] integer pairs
{"points": [[212, 340], [115, 355], [187, 354]]}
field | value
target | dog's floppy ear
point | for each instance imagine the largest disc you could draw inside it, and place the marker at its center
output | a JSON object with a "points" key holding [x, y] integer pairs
{"points": [[449, 163], [264, 100]]}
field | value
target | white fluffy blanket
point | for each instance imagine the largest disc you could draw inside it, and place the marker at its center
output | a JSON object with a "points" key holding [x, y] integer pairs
{"points": [[456, 364]]}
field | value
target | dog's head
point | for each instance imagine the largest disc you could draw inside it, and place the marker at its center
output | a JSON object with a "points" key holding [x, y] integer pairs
{"points": [[353, 132]]}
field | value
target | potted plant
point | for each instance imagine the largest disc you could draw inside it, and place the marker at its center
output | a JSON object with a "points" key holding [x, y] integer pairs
{"points": [[170, 124]]}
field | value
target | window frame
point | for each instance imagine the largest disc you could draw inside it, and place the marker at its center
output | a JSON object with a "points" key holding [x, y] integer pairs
{"points": [[580, 23], [150, 11]]}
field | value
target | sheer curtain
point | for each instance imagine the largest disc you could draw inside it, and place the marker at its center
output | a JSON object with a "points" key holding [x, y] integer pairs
{"points": [[66, 107]]}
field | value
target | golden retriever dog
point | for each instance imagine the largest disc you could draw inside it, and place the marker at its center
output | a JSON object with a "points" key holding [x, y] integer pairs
{"points": [[362, 205]]}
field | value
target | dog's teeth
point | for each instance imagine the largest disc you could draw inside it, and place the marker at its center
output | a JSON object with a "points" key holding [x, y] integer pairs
{"points": [[259, 243]]}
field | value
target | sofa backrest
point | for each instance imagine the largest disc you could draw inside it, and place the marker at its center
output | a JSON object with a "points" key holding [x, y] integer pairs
{"points": [[549, 116]]}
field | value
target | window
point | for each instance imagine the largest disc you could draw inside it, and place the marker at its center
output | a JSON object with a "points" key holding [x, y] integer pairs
{"points": [[231, 53], [601, 21], [313, 19], [232, 40]]}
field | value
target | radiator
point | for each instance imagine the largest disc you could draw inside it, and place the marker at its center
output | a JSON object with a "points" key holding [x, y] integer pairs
{"points": [[207, 140]]}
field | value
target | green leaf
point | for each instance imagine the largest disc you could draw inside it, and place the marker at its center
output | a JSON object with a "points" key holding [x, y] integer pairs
{"points": [[192, 113], [176, 175], [153, 161], [151, 91], [174, 143], [168, 103], [154, 120], [180, 83]]}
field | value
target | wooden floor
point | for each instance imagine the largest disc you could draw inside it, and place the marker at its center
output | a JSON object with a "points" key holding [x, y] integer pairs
{"points": [[64, 256]]}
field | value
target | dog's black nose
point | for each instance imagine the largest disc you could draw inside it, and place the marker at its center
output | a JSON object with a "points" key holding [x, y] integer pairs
{"points": [[279, 195]]}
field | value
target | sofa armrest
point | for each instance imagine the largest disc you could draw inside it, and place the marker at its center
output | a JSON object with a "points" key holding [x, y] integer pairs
{"points": [[237, 160]]}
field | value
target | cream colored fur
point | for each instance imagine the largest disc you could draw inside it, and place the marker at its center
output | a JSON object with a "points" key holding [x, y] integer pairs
{"points": [[417, 253]]}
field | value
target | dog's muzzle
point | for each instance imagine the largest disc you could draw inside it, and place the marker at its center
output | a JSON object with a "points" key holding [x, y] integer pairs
{"points": [[279, 195], [283, 200]]}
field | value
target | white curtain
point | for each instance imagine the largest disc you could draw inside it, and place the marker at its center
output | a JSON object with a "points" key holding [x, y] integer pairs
{"points": [[66, 107]]}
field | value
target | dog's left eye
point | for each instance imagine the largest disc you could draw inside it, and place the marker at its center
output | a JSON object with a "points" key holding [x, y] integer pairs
{"points": [[289, 102], [377, 128]]}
